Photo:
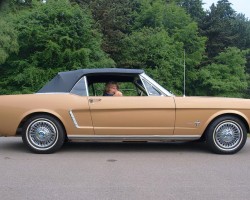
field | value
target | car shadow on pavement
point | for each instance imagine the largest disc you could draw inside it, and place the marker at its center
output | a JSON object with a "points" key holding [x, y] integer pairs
{"points": [[198, 147], [16, 145], [12, 144]]}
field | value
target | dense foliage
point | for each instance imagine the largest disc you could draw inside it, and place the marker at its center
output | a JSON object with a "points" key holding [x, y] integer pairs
{"points": [[52, 37], [41, 38]]}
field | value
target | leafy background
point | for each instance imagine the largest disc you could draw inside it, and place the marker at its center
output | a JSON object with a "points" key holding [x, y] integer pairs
{"points": [[40, 38]]}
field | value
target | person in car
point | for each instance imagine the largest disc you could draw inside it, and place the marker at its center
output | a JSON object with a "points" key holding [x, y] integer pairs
{"points": [[112, 89]]}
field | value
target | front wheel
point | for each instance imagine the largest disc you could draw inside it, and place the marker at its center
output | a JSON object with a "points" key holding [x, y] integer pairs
{"points": [[43, 134], [226, 135]]}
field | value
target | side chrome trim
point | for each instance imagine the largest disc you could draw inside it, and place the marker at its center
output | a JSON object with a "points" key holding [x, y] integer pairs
{"points": [[73, 119], [135, 137]]}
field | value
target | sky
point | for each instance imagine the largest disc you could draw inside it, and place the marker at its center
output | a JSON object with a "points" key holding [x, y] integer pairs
{"points": [[240, 6]]}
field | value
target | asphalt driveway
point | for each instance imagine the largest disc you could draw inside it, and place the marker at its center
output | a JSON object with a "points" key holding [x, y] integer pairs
{"points": [[123, 171]]}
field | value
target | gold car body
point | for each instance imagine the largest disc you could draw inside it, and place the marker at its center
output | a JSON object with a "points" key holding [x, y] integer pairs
{"points": [[152, 117]]}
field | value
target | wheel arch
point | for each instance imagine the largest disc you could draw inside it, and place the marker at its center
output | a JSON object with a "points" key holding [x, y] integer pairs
{"points": [[20, 126], [237, 115]]}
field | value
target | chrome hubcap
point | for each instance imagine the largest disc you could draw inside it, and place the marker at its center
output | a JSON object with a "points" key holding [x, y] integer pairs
{"points": [[42, 133], [228, 135]]}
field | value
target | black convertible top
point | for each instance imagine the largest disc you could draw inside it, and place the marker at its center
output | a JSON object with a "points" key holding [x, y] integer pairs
{"points": [[64, 81]]}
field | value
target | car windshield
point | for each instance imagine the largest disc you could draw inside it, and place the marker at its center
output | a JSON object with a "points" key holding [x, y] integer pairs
{"points": [[156, 85]]}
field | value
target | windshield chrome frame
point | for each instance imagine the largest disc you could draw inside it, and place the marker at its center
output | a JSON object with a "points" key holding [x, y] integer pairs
{"points": [[155, 84]]}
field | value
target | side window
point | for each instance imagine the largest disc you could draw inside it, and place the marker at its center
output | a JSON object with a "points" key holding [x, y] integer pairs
{"points": [[80, 88], [96, 89], [152, 91], [128, 89], [128, 85]]}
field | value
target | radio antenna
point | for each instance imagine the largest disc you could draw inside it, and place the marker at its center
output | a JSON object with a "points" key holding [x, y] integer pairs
{"points": [[184, 73]]}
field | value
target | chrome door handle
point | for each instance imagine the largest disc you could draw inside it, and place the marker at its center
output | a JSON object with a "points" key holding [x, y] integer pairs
{"points": [[94, 100]]}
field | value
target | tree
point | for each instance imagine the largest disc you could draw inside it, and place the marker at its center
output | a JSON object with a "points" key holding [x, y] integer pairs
{"points": [[55, 36], [194, 8], [241, 30], [115, 20], [8, 34], [157, 53], [8, 40], [225, 77], [217, 26], [181, 29]]}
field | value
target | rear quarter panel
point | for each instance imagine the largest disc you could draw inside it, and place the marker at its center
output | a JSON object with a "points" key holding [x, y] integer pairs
{"points": [[14, 108]]}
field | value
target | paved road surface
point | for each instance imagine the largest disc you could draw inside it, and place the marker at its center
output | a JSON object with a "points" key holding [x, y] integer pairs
{"points": [[113, 171]]}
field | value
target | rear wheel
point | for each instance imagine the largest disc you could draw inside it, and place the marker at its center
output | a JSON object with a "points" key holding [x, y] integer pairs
{"points": [[43, 134], [226, 135]]}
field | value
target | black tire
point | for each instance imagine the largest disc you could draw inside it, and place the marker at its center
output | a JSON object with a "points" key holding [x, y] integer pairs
{"points": [[43, 134], [226, 135]]}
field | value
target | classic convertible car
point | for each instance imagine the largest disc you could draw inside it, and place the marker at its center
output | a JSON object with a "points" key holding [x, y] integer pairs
{"points": [[72, 107]]}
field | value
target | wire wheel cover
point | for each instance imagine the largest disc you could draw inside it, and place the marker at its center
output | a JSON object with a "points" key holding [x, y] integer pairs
{"points": [[42, 133], [228, 135]]}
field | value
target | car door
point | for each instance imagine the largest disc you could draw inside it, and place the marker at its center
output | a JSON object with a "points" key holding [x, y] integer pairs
{"points": [[128, 115]]}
